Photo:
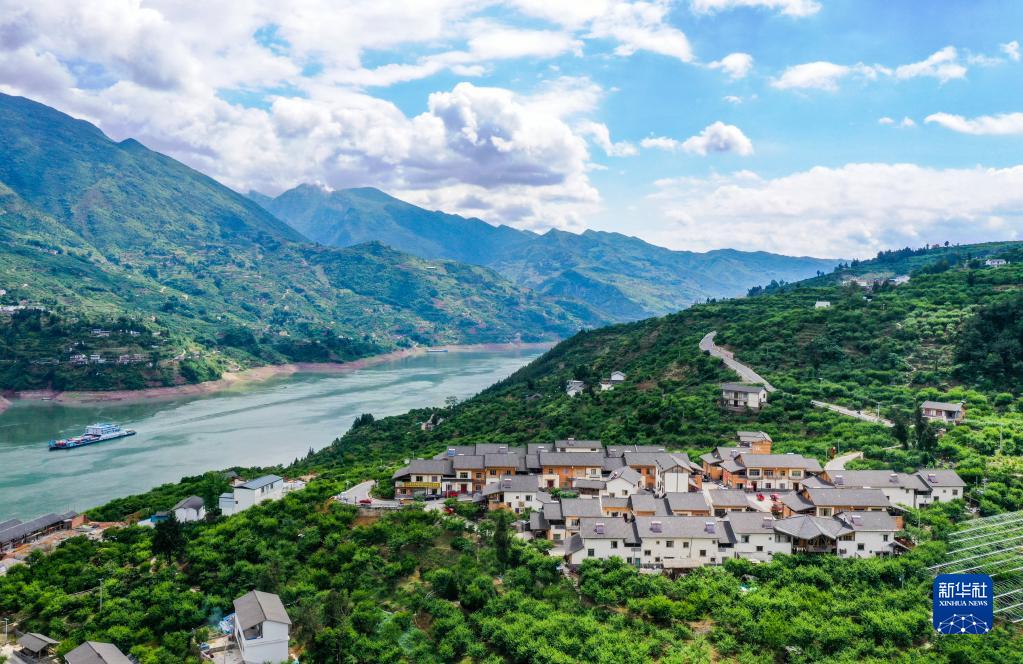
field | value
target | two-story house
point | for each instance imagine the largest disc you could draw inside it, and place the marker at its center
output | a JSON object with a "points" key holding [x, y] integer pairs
{"points": [[253, 492], [826, 501], [261, 626], [943, 485], [677, 542], [421, 477], [557, 468], [900, 488], [768, 471], [740, 397], [943, 412], [751, 535]]}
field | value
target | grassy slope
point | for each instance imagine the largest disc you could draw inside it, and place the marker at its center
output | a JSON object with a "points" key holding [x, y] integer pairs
{"points": [[94, 229]]}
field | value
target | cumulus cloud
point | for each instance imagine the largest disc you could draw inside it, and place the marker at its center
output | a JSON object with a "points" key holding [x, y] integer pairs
{"points": [[736, 65], [822, 75], [717, 137], [1011, 49], [854, 210], [943, 65], [1005, 124], [264, 96], [788, 7]]}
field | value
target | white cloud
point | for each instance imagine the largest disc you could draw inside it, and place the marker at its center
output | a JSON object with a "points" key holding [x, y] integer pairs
{"points": [[732, 99], [736, 65], [601, 136], [905, 123], [1005, 124], [640, 26], [788, 7], [717, 137], [943, 65], [823, 75], [851, 211], [1011, 49]]}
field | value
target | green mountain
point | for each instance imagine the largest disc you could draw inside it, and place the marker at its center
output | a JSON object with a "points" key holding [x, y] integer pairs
{"points": [[422, 586], [627, 277], [191, 278]]}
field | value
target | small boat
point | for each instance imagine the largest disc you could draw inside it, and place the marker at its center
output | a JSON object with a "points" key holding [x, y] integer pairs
{"points": [[436, 350], [94, 433]]}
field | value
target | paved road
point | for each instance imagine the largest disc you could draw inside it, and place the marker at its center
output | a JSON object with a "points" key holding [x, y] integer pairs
{"points": [[361, 492], [849, 412], [838, 463], [747, 374]]}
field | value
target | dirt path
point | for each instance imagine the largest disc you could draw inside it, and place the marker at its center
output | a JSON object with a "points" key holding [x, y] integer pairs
{"points": [[849, 412]]}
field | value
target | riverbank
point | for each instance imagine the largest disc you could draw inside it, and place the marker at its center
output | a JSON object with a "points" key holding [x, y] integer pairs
{"points": [[255, 374]]}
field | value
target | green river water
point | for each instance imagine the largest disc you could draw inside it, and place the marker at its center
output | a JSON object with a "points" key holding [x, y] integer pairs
{"points": [[257, 424]]}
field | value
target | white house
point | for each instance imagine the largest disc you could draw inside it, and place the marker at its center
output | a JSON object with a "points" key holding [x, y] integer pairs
{"points": [[190, 509], [261, 628], [515, 492], [944, 485], [673, 472], [617, 377], [900, 488], [751, 535], [603, 538], [678, 542], [821, 304], [574, 387], [873, 534], [996, 262], [253, 492], [736, 396], [622, 483]]}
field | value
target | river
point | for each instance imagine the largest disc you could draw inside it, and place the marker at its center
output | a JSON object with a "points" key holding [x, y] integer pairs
{"points": [[256, 424]]}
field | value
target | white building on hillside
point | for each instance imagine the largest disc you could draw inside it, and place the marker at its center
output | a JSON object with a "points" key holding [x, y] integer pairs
{"points": [[190, 509], [261, 627], [253, 492]]}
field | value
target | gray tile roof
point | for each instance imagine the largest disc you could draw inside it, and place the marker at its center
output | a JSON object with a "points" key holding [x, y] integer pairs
{"points": [[456, 450], [740, 387], [691, 501], [537, 521], [35, 642], [728, 498], [536, 448], [847, 497], [614, 502], [589, 459], [780, 461], [580, 507], [942, 405], [796, 502], [695, 527], [190, 503], [552, 512], [504, 461], [747, 523], [425, 467], [575, 543], [587, 483], [808, 527], [96, 652], [815, 482], [571, 443], [612, 527], [256, 607], [467, 462], [610, 463], [630, 475], [868, 521], [260, 482], [752, 436], [876, 479], [940, 477], [517, 483], [619, 450], [21, 530], [499, 448], [643, 502]]}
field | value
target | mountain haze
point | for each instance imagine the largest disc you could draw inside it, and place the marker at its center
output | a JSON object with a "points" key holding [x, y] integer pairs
{"points": [[629, 278], [105, 234]]}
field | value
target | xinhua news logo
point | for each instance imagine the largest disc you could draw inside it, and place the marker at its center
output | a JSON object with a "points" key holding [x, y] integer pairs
{"points": [[963, 604]]}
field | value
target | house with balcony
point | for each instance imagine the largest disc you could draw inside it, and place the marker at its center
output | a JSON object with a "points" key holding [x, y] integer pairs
{"points": [[516, 493], [261, 626], [827, 501], [751, 535], [558, 468], [740, 397], [768, 472], [943, 485], [421, 477], [677, 542], [943, 412]]}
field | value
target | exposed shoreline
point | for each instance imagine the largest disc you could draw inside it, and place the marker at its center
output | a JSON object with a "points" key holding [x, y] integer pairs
{"points": [[255, 374]]}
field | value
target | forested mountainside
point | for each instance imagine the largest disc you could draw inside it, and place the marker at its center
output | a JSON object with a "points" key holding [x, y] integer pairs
{"points": [[624, 277], [190, 278], [419, 586]]}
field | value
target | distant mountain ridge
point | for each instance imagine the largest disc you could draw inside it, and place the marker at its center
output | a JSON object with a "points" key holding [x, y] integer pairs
{"points": [[624, 277], [112, 234]]}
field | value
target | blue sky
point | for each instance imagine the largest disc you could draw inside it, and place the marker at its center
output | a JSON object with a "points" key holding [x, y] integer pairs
{"points": [[820, 127]]}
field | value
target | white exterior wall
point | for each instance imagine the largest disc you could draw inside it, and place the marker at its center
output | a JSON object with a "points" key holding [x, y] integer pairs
{"points": [[619, 488], [680, 548], [185, 515], [673, 481], [873, 544], [227, 505], [518, 501], [271, 647], [944, 494], [246, 498], [771, 543], [602, 550]]}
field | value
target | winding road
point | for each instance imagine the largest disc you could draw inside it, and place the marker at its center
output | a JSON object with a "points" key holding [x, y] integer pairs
{"points": [[849, 412], [747, 374], [838, 463]]}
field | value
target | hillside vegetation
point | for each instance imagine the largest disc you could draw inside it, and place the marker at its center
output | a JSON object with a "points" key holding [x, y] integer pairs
{"points": [[424, 587], [96, 234], [624, 278]]}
